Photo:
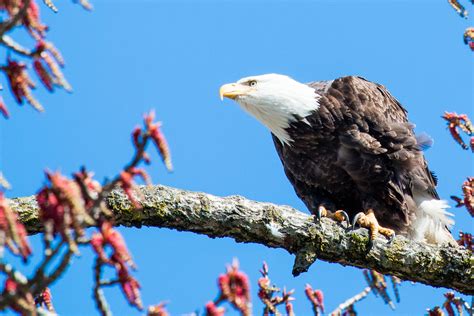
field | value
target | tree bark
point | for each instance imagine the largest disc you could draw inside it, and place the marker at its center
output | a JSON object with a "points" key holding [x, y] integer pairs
{"points": [[283, 227]]}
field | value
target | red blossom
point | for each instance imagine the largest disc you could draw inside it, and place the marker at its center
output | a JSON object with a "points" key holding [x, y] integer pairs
{"points": [[140, 173], [43, 74], [234, 287], [157, 310], [51, 210], [128, 185], [67, 192], [466, 240], [46, 299], [119, 259], [267, 292], [32, 22], [111, 237], [10, 286], [62, 208], [16, 237], [137, 136], [47, 65], [159, 139], [456, 122], [289, 308], [316, 297], [90, 188], [44, 46], [468, 196], [213, 310], [46, 59], [23, 246], [129, 285], [21, 84], [4, 109]]}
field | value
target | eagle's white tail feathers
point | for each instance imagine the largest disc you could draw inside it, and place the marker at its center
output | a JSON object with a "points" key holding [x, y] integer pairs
{"points": [[432, 222]]}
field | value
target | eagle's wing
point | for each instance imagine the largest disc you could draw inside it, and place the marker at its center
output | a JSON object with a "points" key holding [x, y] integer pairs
{"points": [[376, 145]]}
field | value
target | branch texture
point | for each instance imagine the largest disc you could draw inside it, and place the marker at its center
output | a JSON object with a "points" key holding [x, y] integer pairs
{"points": [[283, 227]]}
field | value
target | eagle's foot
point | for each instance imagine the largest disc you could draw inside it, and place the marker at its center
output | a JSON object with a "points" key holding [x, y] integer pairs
{"points": [[339, 216], [368, 220]]}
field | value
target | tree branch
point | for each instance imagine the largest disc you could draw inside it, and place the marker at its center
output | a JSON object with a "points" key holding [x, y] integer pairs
{"points": [[283, 227]]}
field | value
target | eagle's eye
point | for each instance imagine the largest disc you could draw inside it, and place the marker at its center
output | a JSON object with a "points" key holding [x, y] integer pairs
{"points": [[252, 83]]}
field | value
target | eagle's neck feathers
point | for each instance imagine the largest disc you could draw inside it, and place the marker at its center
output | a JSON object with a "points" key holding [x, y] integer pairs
{"points": [[280, 103]]}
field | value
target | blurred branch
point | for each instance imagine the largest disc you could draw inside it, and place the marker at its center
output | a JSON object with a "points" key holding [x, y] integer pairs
{"points": [[282, 227]]}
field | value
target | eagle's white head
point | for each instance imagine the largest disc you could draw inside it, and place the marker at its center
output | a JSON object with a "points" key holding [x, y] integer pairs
{"points": [[275, 100]]}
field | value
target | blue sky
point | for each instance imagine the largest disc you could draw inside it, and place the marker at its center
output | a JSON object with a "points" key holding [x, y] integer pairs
{"points": [[127, 57]]}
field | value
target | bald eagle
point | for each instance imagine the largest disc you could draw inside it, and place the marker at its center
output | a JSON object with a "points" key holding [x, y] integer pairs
{"points": [[348, 149]]}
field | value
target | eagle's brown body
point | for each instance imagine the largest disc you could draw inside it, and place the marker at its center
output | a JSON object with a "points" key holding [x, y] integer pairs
{"points": [[358, 152]]}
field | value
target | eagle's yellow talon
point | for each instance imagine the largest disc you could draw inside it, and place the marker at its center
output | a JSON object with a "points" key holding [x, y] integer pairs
{"points": [[368, 220], [322, 212], [339, 216]]}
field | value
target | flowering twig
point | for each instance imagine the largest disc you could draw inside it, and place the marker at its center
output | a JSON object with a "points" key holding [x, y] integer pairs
{"points": [[98, 294], [267, 292], [468, 196], [45, 299], [67, 207], [458, 122], [44, 56], [316, 298], [466, 240], [119, 260], [453, 305], [234, 288], [140, 138]]}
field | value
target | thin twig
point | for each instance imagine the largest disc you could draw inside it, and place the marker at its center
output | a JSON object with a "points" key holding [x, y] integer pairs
{"points": [[356, 298], [14, 46], [136, 160], [41, 269], [98, 294]]}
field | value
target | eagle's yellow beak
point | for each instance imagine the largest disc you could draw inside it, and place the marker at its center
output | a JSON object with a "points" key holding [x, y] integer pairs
{"points": [[231, 90]]}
